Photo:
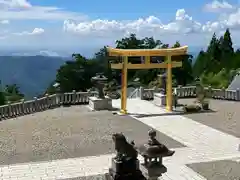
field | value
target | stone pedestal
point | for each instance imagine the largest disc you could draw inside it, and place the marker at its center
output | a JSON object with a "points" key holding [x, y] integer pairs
{"points": [[160, 99], [153, 173], [98, 104], [128, 170]]}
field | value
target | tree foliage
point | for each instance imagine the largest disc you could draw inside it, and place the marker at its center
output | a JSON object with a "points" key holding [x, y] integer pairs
{"points": [[10, 93], [76, 74], [219, 63]]}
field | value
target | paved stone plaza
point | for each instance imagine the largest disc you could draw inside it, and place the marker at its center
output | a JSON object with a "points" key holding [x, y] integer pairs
{"points": [[73, 143]]}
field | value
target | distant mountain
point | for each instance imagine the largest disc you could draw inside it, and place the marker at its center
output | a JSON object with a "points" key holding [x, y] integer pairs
{"points": [[32, 73]]}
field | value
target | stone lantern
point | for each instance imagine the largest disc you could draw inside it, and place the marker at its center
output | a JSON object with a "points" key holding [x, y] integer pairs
{"points": [[160, 98], [100, 102], [99, 82], [162, 79], [153, 152]]}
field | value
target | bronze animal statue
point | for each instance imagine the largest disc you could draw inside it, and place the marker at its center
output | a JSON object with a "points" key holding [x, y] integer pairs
{"points": [[155, 146], [125, 150]]}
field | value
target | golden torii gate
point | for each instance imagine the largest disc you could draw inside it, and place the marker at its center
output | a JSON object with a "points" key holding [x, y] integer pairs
{"points": [[147, 53]]}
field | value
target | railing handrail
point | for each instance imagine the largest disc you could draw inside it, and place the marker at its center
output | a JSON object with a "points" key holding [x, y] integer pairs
{"points": [[190, 91], [44, 103], [73, 98], [133, 93]]}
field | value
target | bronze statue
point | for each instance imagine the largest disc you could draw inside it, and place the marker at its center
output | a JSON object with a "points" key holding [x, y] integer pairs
{"points": [[125, 166], [153, 151], [125, 150], [155, 147]]}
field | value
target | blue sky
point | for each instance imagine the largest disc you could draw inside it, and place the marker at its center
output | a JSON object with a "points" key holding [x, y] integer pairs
{"points": [[74, 25]]}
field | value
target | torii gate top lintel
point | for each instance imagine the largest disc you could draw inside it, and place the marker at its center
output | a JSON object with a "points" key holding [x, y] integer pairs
{"points": [[147, 52]]}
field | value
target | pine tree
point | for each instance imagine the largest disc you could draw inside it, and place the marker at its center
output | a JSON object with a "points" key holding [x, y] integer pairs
{"points": [[227, 50], [213, 56], [183, 75], [200, 64]]}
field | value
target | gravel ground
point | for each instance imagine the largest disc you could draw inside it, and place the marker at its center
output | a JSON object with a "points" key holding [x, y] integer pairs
{"points": [[218, 170], [66, 133], [224, 118]]}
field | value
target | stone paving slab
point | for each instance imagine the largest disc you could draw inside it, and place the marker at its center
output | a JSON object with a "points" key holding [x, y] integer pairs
{"points": [[97, 177], [218, 170], [67, 133], [224, 118], [205, 143]]}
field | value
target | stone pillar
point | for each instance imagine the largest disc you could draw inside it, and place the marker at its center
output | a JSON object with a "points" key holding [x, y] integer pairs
{"points": [[35, 105], [238, 94], [74, 98], [141, 92]]}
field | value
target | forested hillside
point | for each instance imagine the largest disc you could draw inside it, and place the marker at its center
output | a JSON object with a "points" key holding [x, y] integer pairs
{"points": [[32, 74]]}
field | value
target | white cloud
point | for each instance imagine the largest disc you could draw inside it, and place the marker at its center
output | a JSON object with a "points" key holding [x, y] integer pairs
{"points": [[183, 23], [231, 21], [36, 31], [23, 10], [4, 22], [15, 4], [218, 6], [85, 32]]}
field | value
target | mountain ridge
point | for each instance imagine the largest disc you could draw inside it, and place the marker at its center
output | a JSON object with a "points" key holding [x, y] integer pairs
{"points": [[32, 74]]}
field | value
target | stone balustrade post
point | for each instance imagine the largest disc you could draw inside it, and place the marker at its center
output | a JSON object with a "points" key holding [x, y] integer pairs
{"points": [[10, 110], [141, 92], [74, 97], [47, 101], [58, 100], [223, 93], [35, 104], [179, 91], [23, 106], [238, 94]]}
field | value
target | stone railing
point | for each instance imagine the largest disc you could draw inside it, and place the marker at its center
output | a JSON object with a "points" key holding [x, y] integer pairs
{"points": [[75, 98], [44, 103], [190, 91], [135, 94]]}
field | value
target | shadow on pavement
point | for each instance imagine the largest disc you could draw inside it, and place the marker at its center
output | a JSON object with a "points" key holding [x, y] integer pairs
{"points": [[175, 112]]}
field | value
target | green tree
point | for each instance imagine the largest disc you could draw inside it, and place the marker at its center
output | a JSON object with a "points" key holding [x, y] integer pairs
{"points": [[12, 93], [213, 56], [200, 64], [227, 50], [183, 75], [76, 74]]}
